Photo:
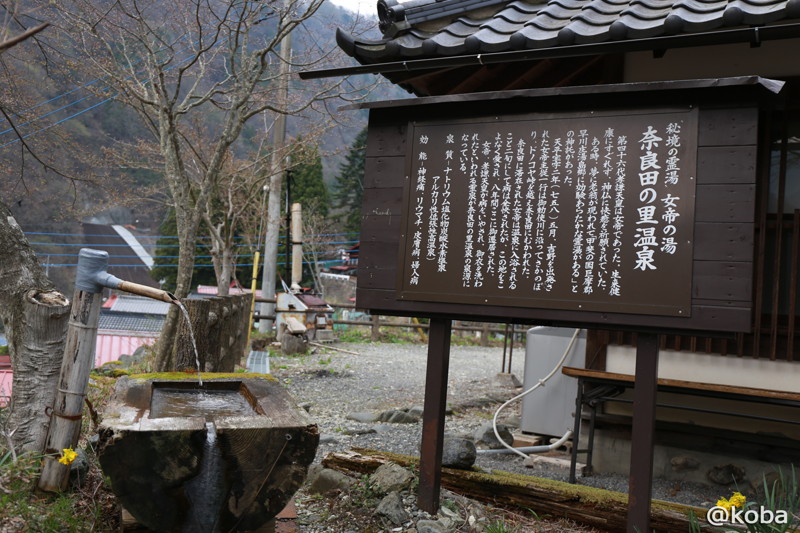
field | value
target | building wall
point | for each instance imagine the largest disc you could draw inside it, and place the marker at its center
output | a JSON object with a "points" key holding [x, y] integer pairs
{"points": [[6, 376], [772, 59]]}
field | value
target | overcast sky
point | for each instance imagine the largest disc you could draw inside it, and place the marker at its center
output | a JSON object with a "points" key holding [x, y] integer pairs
{"points": [[367, 7]]}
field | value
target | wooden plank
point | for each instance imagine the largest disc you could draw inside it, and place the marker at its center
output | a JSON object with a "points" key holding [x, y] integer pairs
{"points": [[723, 241], [725, 203], [683, 384], [704, 317], [728, 126], [382, 202], [381, 228], [377, 278], [722, 281], [726, 164], [387, 134], [384, 172], [386, 251], [795, 262]]}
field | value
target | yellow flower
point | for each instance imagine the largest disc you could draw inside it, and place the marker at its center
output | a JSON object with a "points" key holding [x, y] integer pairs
{"points": [[725, 504], [67, 456], [738, 500]]}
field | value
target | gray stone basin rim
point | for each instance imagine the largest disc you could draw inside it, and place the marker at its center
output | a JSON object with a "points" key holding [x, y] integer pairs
{"points": [[208, 471]]}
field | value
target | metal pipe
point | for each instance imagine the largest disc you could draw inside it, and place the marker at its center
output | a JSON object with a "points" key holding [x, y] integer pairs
{"points": [[92, 276]]}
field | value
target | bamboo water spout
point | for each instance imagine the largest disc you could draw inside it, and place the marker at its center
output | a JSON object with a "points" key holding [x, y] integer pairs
{"points": [[65, 422], [93, 277]]}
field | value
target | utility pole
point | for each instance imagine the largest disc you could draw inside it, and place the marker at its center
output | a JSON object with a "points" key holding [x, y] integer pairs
{"points": [[270, 272]]}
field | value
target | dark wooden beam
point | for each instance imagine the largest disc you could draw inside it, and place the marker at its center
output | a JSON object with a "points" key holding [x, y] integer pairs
{"points": [[430, 465], [640, 484]]}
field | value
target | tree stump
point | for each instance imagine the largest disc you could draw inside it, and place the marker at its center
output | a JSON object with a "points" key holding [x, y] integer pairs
{"points": [[185, 357]]}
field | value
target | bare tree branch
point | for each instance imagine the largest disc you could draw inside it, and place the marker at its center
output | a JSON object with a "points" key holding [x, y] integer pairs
{"points": [[23, 36]]}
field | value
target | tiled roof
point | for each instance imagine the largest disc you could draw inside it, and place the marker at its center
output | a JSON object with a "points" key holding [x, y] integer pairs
{"points": [[425, 29], [125, 303], [138, 322]]}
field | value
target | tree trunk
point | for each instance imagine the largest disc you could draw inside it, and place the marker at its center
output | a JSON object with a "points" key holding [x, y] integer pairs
{"points": [[35, 316], [188, 220], [189, 337]]}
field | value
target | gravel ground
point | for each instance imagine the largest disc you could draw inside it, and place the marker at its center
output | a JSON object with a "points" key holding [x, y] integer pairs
{"points": [[392, 376]]}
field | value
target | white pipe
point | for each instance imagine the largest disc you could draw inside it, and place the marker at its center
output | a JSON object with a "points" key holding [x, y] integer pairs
{"points": [[531, 449], [540, 383]]}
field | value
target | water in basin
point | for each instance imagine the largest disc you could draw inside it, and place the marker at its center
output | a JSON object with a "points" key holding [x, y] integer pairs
{"points": [[171, 402]]}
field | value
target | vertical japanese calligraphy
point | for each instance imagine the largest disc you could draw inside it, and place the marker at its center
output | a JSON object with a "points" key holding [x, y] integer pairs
{"points": [[572, 211]]}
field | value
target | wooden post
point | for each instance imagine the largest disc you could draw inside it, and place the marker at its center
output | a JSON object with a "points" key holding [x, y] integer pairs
{"points": [[240, 347], [430, 462], [224, 332], [213, 333], [640, 484], [376, 328], [78, 361], [197, 310], [485, 334]]}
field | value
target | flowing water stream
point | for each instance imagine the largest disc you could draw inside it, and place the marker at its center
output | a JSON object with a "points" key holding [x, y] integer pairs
{"points": [[206, 492], [191, 336]]}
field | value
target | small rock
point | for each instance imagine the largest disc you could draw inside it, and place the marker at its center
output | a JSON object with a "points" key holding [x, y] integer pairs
{"points": [[417, 411], [446, 512], [458, 453], [401, 417], [726, 474], [292, 344], [684, 462], [363, 416], [391, 477], [391, 507], [78, 469], [505, 380], [485, 437], [443, 525], [326, 480], [383, 428]]}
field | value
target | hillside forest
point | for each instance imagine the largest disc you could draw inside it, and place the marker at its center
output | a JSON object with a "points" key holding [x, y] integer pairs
{"points": [[162, 117]]}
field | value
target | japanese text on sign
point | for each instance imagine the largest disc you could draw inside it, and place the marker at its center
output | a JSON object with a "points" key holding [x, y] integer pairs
{"points": [[571, 212]]}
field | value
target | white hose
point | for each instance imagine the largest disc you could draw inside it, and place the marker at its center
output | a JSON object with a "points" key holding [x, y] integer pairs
{"points": [[540, 383]]}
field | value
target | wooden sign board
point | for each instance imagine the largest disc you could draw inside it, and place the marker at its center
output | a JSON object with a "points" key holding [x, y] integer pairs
{"points": [[544, 211], [563, 211]]}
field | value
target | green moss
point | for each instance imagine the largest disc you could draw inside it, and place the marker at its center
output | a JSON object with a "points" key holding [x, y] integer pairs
{"points": [[206, 376], [591, 495]]}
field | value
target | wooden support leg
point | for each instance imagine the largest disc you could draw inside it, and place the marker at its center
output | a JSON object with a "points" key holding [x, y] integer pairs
{"points": [[576, 433], [644, 414], [430, 464]]}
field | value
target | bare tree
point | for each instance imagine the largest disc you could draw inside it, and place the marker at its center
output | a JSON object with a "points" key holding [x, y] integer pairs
{"points": [[34, 314], [197, 73]]}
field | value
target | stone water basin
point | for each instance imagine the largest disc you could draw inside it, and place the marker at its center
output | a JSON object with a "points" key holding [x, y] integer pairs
{"points": [[224, 457]]}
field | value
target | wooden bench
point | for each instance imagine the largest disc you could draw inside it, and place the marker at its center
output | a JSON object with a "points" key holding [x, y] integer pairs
{"points": [[611, 384]]}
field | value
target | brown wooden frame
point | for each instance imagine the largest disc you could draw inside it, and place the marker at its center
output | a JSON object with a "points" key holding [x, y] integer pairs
{"points": [[725, 216]]}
